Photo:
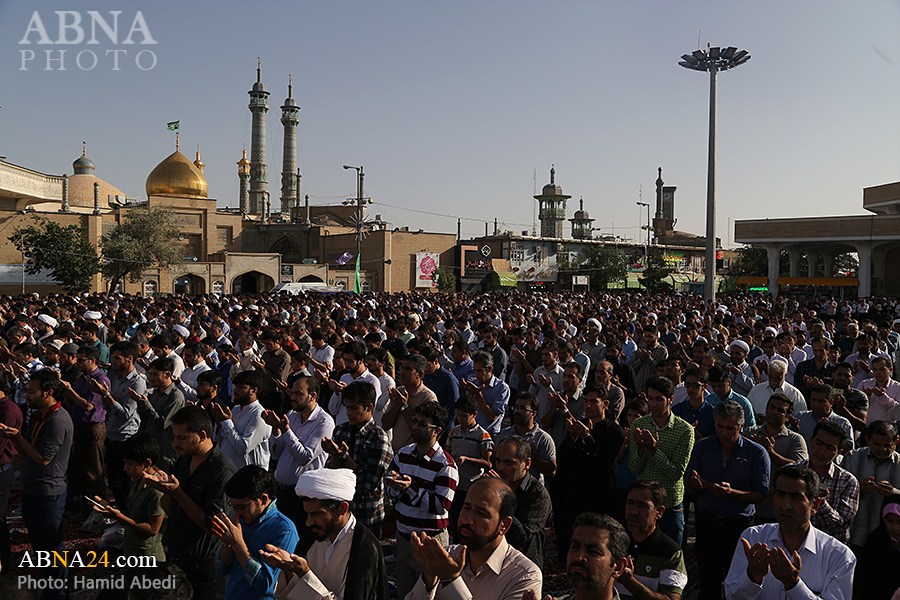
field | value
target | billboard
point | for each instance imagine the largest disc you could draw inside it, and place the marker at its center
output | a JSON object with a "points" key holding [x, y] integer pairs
{"points": [[427, 263]]}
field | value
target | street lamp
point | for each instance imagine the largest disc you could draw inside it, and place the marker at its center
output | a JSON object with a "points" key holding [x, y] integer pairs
{"points": [[712, 60], [647, 249], [360, 185]]}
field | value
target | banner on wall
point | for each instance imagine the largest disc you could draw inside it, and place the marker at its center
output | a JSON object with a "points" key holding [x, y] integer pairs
{"points": [[427, 264]]}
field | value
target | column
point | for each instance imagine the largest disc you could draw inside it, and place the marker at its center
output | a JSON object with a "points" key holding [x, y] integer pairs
{"points": [[878, 273], [794, 255], [773, 252], [828, 264], [812, 259], [864, 250]]}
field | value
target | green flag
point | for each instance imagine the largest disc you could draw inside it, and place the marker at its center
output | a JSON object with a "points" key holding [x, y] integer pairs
{"points": [[173, 125], [357, 286]]}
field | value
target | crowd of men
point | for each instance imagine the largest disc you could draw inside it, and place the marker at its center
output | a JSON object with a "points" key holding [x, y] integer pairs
{"points": [[263, 446]]}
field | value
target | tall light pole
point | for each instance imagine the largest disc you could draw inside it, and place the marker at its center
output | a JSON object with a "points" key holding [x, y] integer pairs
{"points": [[647, 247], [360, 187], [712, 60]]}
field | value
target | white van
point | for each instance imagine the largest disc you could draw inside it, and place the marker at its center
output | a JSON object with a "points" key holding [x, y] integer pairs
{"points": [[306, 287]]}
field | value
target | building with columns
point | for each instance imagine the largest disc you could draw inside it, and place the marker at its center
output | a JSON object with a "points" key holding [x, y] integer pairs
{"points": [[874, 237]]}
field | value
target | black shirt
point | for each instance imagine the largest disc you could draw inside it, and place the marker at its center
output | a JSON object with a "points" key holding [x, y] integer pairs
{"points": [[185, 540], [526, 534]]}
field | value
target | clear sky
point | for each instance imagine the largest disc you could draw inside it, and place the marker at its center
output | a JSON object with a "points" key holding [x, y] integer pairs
{"points": [[452, 107]]}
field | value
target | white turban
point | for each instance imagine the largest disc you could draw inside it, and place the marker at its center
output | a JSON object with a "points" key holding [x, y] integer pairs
{"points": [[48, 320], [740, 344], [93, 315], [327, 484], [182, 331], [595, 323]]}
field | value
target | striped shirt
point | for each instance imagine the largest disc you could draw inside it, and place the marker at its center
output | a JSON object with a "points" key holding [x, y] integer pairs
{"points": [[425, 504]]}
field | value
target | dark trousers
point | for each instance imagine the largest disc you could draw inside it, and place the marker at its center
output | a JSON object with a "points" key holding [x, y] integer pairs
{"points": [[291, 506], [86, 464], [717, 538], [455, 508], [115, 473], [672, 523], [202, 575], [43, 516], [7, 477]]}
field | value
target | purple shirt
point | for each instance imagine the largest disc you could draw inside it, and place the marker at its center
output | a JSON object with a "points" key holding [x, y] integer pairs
{"points": [[11, 415], [80, 387]]}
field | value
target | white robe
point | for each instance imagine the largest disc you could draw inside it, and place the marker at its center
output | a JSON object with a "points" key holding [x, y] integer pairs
{"points": [[323, 581]]}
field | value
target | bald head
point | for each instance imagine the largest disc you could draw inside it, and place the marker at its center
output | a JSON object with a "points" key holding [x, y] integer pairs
{"points": [[498, 488]]}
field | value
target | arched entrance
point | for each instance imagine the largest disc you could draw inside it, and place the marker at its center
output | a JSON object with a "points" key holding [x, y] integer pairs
{"points": [[288, 249], [310, 279], [150, 288], [252, 282], [189, 285]]}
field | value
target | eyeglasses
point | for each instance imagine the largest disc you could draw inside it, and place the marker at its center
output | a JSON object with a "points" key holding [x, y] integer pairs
{"points": [[421, 423], [241, 507], [524, 409], [692, 385]]}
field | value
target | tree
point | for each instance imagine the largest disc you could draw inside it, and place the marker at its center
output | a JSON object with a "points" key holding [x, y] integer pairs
{"points": [[656, 271], [751, 261], [146, 237], [604, 265], [65, 251], [445, 280]]}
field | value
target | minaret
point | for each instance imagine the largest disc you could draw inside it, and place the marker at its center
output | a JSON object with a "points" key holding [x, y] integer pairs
{"points": [[581, 223], [244, 176], [552, 208], [290, 118], [259, 105]]}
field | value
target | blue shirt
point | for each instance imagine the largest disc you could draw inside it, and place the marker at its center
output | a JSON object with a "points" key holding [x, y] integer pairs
{"points": [[703, 416], [444, 385], [496, 395], [257, 580], [464, 370], [749, 416], [747, 469]]}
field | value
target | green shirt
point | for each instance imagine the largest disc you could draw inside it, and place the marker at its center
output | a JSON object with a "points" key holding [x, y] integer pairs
{"points": [[143, 505], [668, 464]]}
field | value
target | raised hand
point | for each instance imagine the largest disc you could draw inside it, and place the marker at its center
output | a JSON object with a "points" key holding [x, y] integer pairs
{"points": [[284, 560], [220, 413], [757, 561], [162, 481], [784, 569]]}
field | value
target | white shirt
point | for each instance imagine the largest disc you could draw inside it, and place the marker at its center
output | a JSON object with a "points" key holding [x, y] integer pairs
{"points": [[826, 571], [506, 575], [882, 407], [244, 438], [189, 380], [299, 448], [760, 393], [336, 404], [324, 355]]}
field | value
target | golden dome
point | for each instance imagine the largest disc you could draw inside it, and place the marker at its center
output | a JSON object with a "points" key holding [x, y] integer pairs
{"points": [[177, 176]]}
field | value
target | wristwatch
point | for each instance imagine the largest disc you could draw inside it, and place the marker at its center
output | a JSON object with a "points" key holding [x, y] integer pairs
{"points": [[345, 455]]}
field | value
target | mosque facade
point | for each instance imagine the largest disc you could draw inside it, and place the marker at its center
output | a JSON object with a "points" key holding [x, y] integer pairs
{"points": [[249, 248]]}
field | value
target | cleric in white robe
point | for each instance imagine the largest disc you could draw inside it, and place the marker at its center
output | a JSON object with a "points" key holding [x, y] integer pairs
{"points": [[342, 546]]}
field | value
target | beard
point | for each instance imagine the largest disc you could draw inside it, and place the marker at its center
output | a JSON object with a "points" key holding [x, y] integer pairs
{"points": [[331, 528], [587, 581], [420, 436], [473, 541]]}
